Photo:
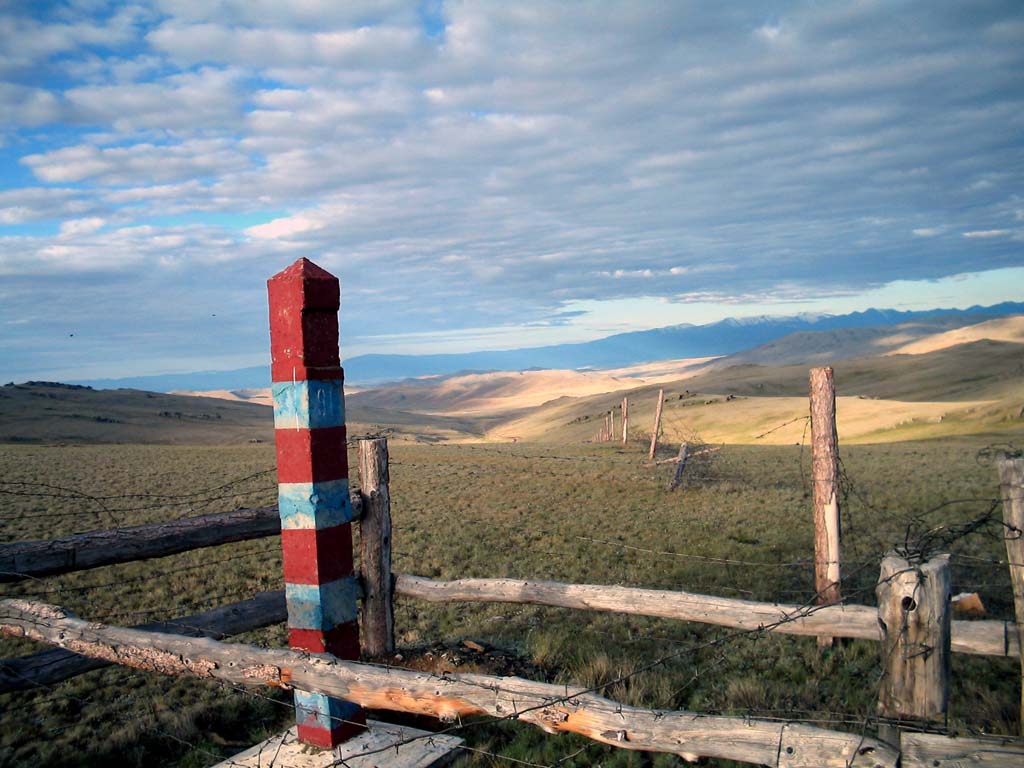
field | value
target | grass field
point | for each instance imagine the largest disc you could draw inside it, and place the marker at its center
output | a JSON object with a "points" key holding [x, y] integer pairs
{"points": [[574, 513]]}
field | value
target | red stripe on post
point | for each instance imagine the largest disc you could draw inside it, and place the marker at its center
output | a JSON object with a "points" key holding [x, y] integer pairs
{"points": [[304, 302], [304, 338], [311, 455], [321, 737], [316, 557], [342, 641]]}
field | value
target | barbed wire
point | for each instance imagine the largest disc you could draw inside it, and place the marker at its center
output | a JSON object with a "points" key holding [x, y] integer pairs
{"points": [[922, 536]]}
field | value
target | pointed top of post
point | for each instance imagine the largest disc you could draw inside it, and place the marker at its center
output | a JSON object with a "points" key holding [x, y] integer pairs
{"points": [[311, 286], [304, 269]]}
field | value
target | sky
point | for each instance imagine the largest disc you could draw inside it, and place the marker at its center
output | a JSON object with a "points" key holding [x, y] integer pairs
{"points": [[490, 175]]}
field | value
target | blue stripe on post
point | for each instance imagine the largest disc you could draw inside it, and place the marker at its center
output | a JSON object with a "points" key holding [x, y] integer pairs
{"points": [[322, 606], [315, 710], [314, 505], [308, 404]]}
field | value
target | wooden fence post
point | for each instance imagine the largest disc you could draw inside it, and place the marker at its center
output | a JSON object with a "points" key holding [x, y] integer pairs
{"points": [[677, 478], [378, 633], [1011, 489], [625, 420], [914, 618], [313, 493], [611, 424], [825, 473], [657, 424]]}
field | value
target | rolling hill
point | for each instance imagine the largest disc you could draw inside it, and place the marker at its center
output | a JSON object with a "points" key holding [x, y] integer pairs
{"points": [[51, 412], [47, 412], [1009, 329], [971, 388], [922, 379], [505, 392], [726, 337]]}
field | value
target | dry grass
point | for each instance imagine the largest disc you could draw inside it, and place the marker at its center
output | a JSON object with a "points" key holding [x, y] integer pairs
{"points": [[570, 513], [1010, 329]]}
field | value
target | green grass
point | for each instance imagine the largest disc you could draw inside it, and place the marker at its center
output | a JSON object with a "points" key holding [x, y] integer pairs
{"points": [[572, 513]]}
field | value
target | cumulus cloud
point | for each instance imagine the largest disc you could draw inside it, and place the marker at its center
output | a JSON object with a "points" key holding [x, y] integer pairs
{"points": [[284, 228], [362, 48], [296, 14], [499, 161], [29, 106], [27, 41], [209, 98], [74, 227], [34, 204], [137, 163], [986, 233]]}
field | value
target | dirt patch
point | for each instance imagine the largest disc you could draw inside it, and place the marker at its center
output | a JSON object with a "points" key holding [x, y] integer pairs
{"points": [[467, 656]]}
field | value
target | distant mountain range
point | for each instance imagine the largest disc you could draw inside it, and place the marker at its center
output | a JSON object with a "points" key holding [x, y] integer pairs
{"points": [[725, 337]]}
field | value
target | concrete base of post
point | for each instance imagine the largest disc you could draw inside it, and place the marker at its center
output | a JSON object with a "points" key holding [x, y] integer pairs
{"points": [[368, 750]]}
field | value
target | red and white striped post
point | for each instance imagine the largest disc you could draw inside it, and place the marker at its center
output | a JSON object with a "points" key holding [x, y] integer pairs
{"points": [[313, 494]]}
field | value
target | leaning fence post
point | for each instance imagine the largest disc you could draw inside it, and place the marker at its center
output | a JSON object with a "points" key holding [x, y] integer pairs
{"points": [[677, 478], [625, 420], [1011, 490], [375, 548], [657, 424], [825, 473], [914, 619], [313, 493]]}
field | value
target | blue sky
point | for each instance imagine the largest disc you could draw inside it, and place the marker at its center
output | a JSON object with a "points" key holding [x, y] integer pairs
{"points": [[491, 175]]}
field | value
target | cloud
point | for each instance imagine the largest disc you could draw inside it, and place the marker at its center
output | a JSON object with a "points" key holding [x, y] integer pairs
{"points": [[284, 228], [496, 162], [29, 106], [361, 48], [297, 14], [26, 41], [987, 233], [209, 98], [34, 204], [137, 163], [74, 227]]}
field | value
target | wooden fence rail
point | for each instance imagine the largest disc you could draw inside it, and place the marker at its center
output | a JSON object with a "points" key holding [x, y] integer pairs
{"points": [[32, 559], [984, 638], [554, 708], [50, 667]]}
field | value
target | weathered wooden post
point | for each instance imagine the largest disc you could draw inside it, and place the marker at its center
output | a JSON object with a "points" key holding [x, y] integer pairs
{"points": [[914, 619], [657, 424], [677, 478], [1011, 489], [625, 420], [825, 473], [375, 548], [611, 424], [313, 493]]}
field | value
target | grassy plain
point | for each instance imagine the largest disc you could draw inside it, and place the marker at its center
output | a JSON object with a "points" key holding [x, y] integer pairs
{"points": [[571, 512], [973, 388], [41, 412]]}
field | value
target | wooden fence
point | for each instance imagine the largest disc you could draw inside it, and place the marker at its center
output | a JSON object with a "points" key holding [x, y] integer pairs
{"points": [[913, 613], [912, 624]]}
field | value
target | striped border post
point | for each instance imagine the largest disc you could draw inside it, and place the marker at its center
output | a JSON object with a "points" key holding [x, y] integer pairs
{"points": [[313, 495]]}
